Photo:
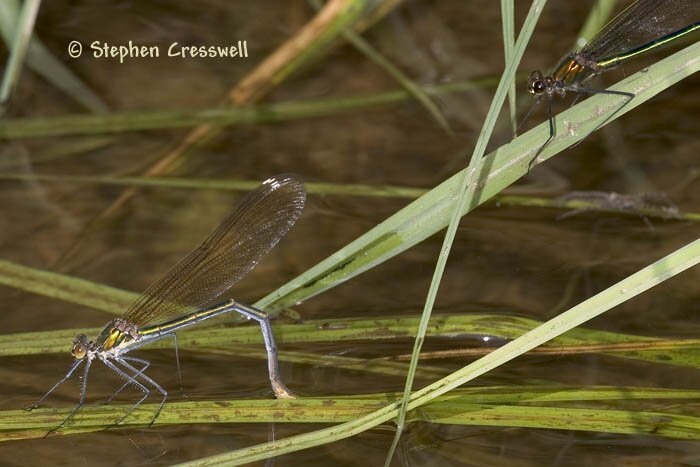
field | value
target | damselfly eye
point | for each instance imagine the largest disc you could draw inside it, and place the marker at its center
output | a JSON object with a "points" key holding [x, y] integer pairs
{"points": [[536, 83], [79, 350], [537, 87]]}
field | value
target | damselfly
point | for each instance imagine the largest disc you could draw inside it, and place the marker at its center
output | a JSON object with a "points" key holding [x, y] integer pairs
{"points": [[178, 299], [644, 26]]}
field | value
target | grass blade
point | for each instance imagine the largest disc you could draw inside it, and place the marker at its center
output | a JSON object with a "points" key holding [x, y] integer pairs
{"points": [[626, 289], [20, 44], [431, 212]]}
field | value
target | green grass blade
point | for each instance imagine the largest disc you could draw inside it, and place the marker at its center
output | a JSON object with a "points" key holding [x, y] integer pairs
{"points": [[587, 201], [469, 185], [600, 13], [411, 87], [626, 289], [44, 63], [67, 288], [508, 26], [548, 407], [430, 213], [406, 83], [118, 122], [312, 188], [639, 282], [20, 44], [246, 340]]}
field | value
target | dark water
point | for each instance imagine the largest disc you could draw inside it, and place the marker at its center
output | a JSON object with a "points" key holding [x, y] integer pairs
{"points": [[510, 260]]}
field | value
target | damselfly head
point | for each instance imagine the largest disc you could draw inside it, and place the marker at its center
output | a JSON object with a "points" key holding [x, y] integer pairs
{"points": [[80, 346], [537, 83]]}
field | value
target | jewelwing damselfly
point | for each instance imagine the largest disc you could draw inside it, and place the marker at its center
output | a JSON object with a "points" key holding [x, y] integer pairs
{"points": [[644, 26], [179, 299]]}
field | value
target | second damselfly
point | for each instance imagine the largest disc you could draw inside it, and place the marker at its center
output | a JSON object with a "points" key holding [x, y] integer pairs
{"points": [[644, 26]]}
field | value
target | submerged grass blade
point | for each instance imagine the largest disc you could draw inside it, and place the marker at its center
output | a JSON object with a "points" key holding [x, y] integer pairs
{"points": [[636, 206], [312, 188], [406, 83], [67, 288], [118, 122], [519, 406], [246, 340]]}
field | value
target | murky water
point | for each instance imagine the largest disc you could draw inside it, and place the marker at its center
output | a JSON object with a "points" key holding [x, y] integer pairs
{"points": [[506, 260]]}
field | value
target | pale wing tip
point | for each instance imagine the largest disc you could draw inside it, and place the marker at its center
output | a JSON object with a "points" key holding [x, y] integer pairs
{"points": [[277, 181], [291, 182]]}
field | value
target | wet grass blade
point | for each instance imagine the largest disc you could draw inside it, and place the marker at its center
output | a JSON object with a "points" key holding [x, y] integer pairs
{"points": [[546, 407], [661, 351]]}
